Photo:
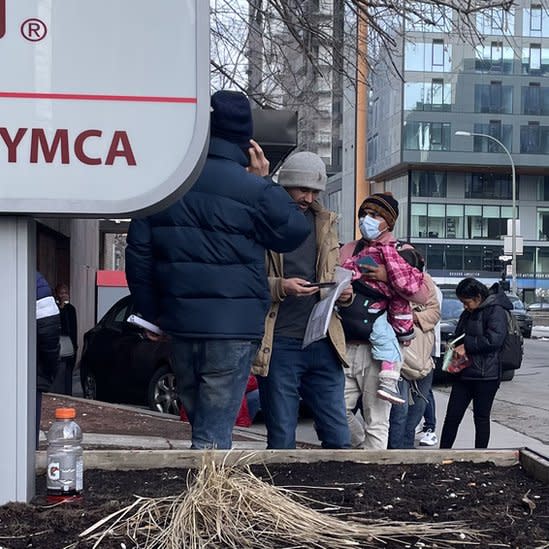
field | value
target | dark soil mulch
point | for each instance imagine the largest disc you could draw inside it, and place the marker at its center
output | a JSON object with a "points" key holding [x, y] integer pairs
{"points": [[510, 507]]}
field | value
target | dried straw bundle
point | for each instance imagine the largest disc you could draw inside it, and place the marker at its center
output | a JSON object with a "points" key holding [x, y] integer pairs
{"points": [[229, 507]]}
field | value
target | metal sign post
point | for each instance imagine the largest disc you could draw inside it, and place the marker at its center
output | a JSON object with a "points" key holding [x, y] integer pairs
{"points": [[104, 110], [18, 344]]}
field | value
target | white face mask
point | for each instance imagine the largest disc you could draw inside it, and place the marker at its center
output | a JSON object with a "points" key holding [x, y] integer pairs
{"points": [[369, 227]]}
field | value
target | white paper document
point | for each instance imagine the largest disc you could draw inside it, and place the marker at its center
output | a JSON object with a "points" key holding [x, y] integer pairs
{"points": [[319, 320]]}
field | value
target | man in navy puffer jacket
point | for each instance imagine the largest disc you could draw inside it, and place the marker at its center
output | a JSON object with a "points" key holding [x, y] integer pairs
{"points": [[197, 270]]}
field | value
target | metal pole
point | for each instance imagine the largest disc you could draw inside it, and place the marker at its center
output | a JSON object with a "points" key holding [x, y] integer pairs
{"points": [[514, 206]]}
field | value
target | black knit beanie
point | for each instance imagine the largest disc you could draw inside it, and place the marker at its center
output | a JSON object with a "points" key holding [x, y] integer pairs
{"points": [[231, 117], [383, 204]]}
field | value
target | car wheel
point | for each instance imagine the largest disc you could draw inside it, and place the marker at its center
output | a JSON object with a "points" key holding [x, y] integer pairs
{"points": [[528, 334], [507, 375], [162, 392], [89, 385]]}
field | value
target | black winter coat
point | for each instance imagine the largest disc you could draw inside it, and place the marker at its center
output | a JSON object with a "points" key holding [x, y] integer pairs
{"points": [[48, 328], [485, 330], [197, 269]]}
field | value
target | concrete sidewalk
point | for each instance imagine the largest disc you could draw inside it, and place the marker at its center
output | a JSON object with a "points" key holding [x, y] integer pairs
{"points": [[501, 437]]}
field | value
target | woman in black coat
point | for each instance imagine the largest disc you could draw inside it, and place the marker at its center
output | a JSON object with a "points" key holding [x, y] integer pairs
{"points": [[69, 329], [485, 324]]}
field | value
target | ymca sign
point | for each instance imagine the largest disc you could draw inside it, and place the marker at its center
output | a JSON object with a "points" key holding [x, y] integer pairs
{"points": [[104, 104]]}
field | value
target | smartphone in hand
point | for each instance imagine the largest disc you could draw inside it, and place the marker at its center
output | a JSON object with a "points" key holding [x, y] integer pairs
{"points": [[319, 284], [367, 260]]}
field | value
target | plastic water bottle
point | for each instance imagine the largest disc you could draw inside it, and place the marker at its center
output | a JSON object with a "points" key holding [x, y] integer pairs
{"points": [[65, 464]]}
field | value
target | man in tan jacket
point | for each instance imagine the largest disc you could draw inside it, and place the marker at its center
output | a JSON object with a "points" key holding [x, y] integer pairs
{"points": [[287, 371]]}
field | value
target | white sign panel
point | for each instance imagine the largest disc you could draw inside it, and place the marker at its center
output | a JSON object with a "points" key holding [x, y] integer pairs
{"points": [[104, 104], [508, 245]]}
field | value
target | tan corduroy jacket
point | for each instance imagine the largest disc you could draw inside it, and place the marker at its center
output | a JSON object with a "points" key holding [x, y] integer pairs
{"points": [[418, 361], [326, 261]]}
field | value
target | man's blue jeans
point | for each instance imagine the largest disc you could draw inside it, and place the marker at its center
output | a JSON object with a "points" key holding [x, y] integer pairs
{"points": [[211, 377], [406, 417], [430, 414], [314, 373]]}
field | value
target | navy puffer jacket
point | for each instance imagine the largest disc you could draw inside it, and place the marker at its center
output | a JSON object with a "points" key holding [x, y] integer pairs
{"points": [[485, 330], [197, 269]]}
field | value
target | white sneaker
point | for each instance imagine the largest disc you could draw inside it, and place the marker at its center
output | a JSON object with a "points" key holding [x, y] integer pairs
{"points": [[419, 429], [429, 438]]}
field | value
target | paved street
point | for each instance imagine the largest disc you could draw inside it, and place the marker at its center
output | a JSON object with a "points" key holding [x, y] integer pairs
{"points": [[520, 415], [523, 403]]}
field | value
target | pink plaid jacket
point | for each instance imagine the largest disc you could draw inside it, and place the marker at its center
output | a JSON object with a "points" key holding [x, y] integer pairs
{"points": [[404, 281]]}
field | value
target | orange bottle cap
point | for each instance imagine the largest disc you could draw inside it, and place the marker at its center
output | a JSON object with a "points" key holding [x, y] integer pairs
{"points": [[65, 413]]}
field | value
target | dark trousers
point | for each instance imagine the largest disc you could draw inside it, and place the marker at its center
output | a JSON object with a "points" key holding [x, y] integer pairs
{"points": [[482, 393]]}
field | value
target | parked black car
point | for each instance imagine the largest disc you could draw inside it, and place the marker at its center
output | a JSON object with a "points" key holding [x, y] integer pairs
{"points": [[450, 312], [119, 364]]}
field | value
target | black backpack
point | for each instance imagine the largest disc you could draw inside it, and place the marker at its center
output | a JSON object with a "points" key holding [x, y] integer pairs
{"points": [[511, 352]]}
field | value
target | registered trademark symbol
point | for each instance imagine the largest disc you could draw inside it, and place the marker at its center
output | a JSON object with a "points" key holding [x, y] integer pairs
{"points": [[34, 30]]}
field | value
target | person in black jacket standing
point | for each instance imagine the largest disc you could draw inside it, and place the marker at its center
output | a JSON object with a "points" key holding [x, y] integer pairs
{"points": [[67, 315], [197, 269], [48, 328], [485, 325]]}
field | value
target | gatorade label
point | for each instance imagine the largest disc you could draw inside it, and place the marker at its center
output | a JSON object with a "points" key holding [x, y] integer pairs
{"points": [[54, 471]]}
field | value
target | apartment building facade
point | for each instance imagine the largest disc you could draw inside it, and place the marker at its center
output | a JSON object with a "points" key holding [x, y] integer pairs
{"points": [[456, 191]]}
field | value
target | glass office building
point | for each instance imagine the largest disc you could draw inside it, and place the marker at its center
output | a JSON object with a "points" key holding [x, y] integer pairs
{"points": [[455, 191]]}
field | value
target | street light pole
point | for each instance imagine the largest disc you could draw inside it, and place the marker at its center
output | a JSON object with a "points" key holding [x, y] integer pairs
{"points": [[514, 205]]}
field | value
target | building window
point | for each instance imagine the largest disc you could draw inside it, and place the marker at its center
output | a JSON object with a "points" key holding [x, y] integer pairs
{"points": [[428, 96], [542, 262], [493, 98], [427, 136], [543, 223], [490, 259], [454, 221], [436, 221], [458, 221], [453, 258], [438, 54], [494, 128], [430, 184], [429, 18], [534, 139], [543, 188], [419, 220], [531, 99], [496, 21], [489, 185], [472, 258], [432, 56], [535, 19], [535, 60], [535, 57], [495, 58], [489, 222]]}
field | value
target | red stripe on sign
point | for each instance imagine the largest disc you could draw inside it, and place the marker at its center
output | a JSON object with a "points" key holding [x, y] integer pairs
{"points": [[111, 278], [2, 18], [93, 97]]}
